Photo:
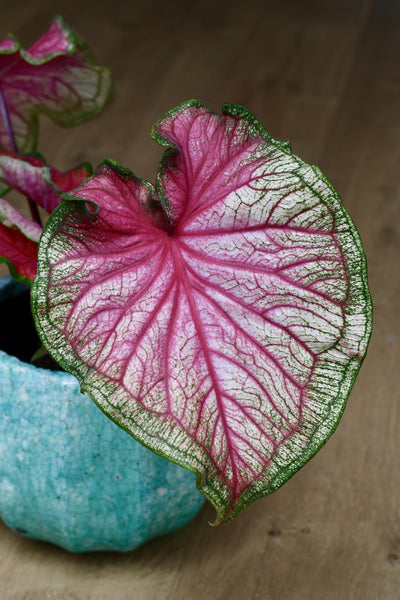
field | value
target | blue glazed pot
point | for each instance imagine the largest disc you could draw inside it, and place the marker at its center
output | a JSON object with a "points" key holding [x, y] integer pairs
{"points": [[70, 476]]}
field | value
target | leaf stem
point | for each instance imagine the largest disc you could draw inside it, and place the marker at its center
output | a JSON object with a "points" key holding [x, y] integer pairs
{"points": [[7, 122], [34, 211]]}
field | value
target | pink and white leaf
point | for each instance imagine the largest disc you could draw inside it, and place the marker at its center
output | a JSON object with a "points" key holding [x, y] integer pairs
{"points": [[222, 320], [11, 217], [19, 251], [57, 76], [32, 177]]}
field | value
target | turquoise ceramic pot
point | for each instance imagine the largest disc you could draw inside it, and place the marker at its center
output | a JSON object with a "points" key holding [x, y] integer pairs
{"points": [[70, 476]]}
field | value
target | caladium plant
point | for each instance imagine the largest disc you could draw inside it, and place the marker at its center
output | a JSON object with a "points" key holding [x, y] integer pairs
{"points": [[219, 316]]}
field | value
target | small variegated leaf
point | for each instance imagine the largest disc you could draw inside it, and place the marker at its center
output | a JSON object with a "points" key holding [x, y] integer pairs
{"points": [[11, 217], [17, 249], [57, 76], [32, 177]]}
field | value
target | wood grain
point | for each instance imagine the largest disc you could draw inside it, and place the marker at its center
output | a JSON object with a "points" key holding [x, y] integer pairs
{"points": [[326, 76]]}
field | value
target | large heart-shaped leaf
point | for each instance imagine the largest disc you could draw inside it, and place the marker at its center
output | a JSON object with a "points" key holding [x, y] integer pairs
{"points": [[220, 320], [57, 76]]}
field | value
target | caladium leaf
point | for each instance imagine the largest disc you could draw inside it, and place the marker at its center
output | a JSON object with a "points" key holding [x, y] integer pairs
{"points": [[11, 217], [32, 177], [220, 320], [19, 236], [18, 249], [57, 76]]}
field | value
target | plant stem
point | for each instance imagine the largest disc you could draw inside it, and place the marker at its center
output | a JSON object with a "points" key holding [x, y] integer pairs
{"points": [[7, 122], [34, 211]]}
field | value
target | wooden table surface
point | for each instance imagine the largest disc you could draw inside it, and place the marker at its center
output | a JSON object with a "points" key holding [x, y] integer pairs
{"points": [[325, 75]]}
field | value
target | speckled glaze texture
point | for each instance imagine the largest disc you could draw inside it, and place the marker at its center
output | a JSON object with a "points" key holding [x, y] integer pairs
{"points": [[70, 476]]}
